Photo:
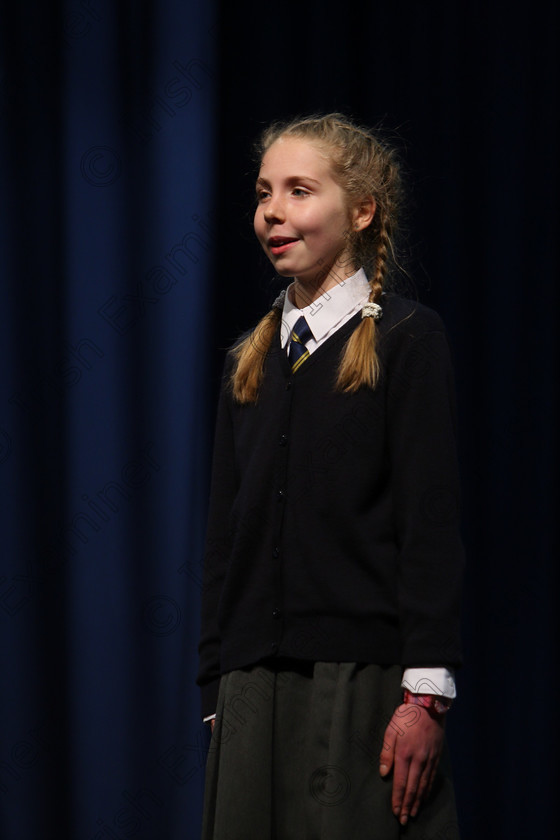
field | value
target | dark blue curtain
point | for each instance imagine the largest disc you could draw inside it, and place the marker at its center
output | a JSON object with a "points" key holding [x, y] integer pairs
{"points": [[128, 263], [108, 146]]}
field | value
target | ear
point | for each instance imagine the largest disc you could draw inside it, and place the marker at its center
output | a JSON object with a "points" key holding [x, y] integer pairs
{"points": [[363, 213]]}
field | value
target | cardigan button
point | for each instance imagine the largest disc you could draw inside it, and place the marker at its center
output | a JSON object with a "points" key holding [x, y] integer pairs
{"points": [[276, 552], [288, 384], [276, 613], [283, 440], [281, 495], [274, 648]]}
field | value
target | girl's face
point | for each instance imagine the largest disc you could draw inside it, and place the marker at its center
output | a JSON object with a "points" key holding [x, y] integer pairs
{"points": [[302, 219]]}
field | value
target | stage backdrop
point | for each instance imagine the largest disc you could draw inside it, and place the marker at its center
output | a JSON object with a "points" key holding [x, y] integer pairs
{"points": [[128, 263], [108, 154]]}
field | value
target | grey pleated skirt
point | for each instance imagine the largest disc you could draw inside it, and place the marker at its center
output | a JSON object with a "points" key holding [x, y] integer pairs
{"points": [[295, 754]]}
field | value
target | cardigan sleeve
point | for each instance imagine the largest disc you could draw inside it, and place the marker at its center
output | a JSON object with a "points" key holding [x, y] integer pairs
{"points": [[425, 487], [217, 549]]}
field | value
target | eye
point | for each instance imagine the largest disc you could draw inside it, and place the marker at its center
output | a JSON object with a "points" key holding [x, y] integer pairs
{"points": [[299, 191], [262, 194]]}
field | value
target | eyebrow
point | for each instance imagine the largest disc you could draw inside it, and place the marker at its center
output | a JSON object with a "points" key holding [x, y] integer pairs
{"points": [[293, 179]]}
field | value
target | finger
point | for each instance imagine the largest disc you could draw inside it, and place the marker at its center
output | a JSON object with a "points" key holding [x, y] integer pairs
{"points": [[422, 790], [400, 781], [387, 755], [410, 792]]}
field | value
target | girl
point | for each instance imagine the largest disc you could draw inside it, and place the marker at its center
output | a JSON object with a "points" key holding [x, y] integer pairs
{"points": [[333, 563]]}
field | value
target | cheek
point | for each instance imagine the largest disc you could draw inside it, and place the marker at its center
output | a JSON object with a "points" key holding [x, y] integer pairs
{"points": [[334, 230], [314, 224], [333, 220], [258, 224]]}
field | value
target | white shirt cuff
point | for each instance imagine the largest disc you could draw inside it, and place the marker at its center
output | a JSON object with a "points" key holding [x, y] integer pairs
{"points": [[439, 681]]}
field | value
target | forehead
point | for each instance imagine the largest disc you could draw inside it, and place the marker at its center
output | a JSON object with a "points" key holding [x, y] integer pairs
{"points": [[295, 156]]}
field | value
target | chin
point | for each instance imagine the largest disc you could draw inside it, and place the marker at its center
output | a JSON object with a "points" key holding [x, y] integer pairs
{"points": [[283, 271]]}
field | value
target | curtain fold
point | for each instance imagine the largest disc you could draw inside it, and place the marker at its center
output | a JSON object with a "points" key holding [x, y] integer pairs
{"points": [[108, 145]]}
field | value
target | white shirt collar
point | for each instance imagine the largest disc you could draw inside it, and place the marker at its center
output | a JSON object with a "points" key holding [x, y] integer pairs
{"points": [[330, 309]]}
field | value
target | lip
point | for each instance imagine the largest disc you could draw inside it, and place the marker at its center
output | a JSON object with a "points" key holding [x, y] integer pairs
{"points": [[280, 244]]}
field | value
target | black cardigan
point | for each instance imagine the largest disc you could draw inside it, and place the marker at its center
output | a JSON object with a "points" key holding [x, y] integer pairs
{"points": [[333, 530]]}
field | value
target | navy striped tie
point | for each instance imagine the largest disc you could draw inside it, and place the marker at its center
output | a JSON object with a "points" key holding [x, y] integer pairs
{"points": [[298, 352]]}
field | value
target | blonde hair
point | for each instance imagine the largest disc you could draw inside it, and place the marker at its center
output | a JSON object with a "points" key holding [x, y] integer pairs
{"points": [[363, 165]]}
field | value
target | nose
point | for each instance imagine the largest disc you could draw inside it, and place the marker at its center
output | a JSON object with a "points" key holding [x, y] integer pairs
{"points": [[274, 210]]}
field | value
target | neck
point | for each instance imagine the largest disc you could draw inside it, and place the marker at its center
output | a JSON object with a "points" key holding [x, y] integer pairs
{"points": [[304, 292]]}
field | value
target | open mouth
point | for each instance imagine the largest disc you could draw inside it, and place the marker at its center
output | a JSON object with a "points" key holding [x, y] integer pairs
{"points": [[281, 244]]}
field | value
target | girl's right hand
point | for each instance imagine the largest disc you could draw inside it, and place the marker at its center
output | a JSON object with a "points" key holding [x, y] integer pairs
{"points": [[212, 722]]}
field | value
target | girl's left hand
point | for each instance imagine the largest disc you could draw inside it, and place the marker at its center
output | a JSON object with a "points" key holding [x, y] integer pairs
{"points": [[412, 746]]}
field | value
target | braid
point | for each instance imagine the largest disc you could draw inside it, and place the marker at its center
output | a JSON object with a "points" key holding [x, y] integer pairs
{"points": [[382, 256], [359, 364], [250, 354]]}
